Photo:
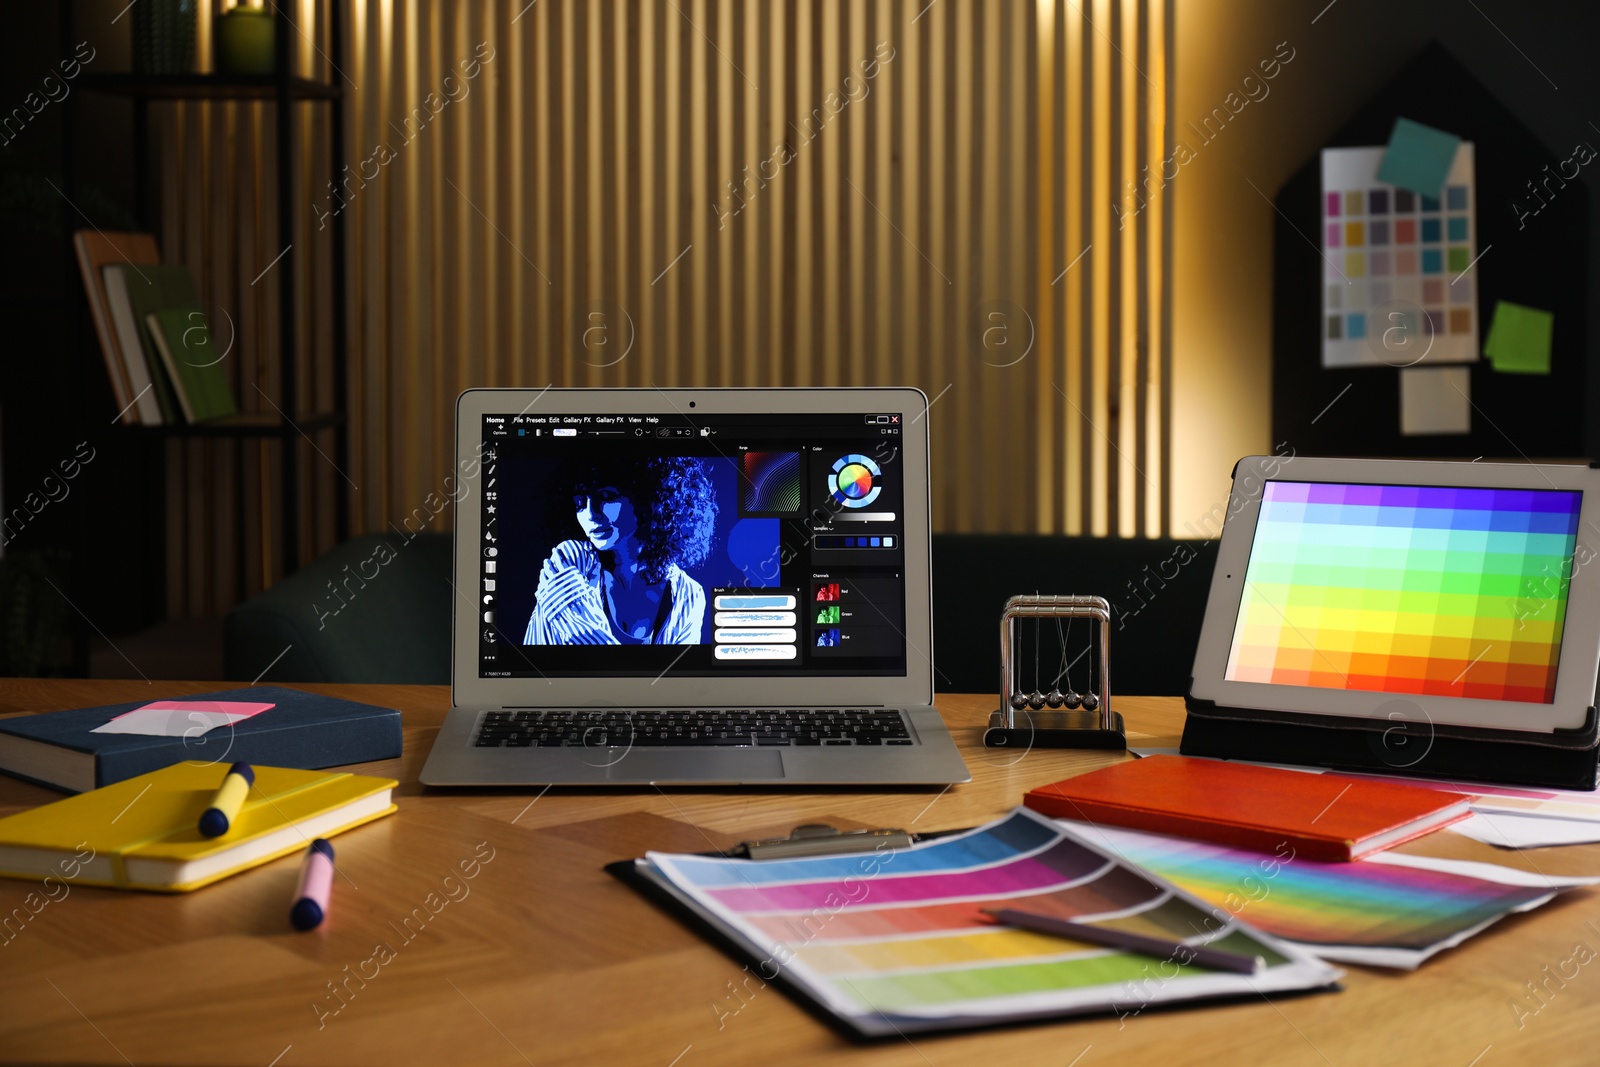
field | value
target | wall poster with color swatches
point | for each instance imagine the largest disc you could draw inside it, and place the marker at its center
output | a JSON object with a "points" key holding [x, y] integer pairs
{"points": [[1397, 288]]}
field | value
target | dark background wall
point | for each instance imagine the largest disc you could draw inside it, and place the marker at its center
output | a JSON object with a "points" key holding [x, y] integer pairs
{"points": [[1536, 57], [1526, 254], [40, 301]]}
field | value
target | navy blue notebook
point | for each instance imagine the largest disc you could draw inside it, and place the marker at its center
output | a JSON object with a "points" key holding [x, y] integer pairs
{"points": [[304, 731]]}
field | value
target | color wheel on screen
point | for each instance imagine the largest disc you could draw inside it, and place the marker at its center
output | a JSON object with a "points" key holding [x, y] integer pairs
{"points": [[853, 482]]}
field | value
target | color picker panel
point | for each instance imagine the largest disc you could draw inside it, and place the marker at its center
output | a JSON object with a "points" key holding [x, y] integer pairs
{"points": [[1396, 283], [1407, 589]]}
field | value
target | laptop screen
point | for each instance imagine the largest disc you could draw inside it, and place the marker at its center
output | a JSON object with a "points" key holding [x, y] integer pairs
{"points": [[1407, 589], [628, 545]]}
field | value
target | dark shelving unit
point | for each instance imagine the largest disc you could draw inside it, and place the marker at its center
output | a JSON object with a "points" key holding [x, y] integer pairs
{"points": [[207, 86], [242, 424], [286, 425]]}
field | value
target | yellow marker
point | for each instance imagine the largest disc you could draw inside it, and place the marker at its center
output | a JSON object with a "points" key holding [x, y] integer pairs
{"points": [[225, 805]]}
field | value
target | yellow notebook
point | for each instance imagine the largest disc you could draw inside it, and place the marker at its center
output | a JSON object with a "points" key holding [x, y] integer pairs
{"points": [[143, 833]]}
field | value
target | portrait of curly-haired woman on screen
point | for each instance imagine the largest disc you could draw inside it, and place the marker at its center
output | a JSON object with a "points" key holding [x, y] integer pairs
{"points": [[644, 522]]}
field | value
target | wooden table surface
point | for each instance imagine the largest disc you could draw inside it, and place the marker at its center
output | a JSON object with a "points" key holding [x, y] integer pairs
{"points": [[542, 958]]}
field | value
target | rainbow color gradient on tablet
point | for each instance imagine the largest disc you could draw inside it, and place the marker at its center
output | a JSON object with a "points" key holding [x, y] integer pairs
{"points": [[1407, 589]]}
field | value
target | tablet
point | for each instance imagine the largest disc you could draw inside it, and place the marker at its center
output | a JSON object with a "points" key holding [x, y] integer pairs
{"points": [[1468, 592]]}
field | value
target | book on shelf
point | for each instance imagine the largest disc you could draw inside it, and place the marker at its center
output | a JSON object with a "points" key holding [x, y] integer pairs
{"points": [[182, 338], [130, 379], [134, 293]]}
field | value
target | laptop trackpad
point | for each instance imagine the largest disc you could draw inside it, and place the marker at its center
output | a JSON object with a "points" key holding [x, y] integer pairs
{"points": [[698, 765]]}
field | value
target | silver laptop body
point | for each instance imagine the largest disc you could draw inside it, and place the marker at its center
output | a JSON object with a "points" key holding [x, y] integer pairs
{"points": [[692, 587]]}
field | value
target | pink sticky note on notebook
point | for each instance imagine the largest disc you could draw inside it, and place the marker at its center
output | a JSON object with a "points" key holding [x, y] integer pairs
{"points": [[181, 718]]}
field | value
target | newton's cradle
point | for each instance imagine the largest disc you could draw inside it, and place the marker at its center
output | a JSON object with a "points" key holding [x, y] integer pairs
{"points": [[1063, 716]]}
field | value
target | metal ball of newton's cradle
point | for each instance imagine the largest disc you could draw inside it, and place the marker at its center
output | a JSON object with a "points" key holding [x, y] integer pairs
{"points": [[1036, 700], [1054, 698], [1071, 699], [1090, 702], [1019, 700]]}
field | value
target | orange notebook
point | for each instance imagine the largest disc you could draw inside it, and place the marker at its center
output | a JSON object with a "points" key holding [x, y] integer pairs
{"points": [[1322, 816]]}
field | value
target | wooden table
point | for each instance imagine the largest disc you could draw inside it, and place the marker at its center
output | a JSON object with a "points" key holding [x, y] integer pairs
{"points": [[544, 959]]}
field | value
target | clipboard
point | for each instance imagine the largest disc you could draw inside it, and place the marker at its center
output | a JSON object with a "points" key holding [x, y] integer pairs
{"points": [[765, 967], [811, 839], [637, 874]]}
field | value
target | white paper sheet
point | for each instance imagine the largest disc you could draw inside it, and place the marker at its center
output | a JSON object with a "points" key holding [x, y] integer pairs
{"points": [[1526, 831], [1435, 400]]}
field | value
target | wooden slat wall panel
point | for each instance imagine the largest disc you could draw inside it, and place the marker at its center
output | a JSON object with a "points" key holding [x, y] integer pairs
{"points": [[704, 192], [1103, 89]]}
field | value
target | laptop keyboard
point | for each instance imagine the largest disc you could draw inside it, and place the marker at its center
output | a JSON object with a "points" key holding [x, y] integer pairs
{"points": [[761, 727]]}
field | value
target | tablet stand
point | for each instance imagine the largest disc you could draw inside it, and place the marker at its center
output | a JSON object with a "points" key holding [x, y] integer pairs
{"points": [[1564, 759], [1027, 720]]}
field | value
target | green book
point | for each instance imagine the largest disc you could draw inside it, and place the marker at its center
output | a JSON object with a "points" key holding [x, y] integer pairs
{"points": [[192, 362], [150, 288]]}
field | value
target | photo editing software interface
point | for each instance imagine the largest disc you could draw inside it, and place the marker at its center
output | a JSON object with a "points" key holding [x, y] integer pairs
{"points": [[1408, 589], [630, 545]]}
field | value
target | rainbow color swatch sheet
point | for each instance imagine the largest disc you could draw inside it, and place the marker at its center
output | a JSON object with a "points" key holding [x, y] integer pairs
{"points": [[895, 940], [1388, 910], [1407, 589]]}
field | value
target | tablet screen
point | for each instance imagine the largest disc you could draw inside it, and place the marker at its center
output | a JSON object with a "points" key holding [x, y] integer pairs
{"points": [[1407, 589]]}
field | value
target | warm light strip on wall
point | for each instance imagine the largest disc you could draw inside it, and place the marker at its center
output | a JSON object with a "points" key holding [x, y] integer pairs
{"points": [[1097, 404], [1158, 276], [1069, 266], [1050, 474], [1132, 472], [1124, 242]]}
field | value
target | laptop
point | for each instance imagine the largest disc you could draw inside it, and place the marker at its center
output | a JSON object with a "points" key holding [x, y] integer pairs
{"points": [[692, 587]]}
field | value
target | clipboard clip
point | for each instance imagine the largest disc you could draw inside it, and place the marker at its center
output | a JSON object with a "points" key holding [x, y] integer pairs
{"points": [[820, 839]]}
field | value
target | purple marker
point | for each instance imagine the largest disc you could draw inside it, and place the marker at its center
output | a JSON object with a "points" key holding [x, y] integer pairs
{"points": [[316, 882]]}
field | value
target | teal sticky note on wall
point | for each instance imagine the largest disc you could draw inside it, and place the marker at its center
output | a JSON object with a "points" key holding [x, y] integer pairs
{"points": [[1418, 157], [1519, 339]]}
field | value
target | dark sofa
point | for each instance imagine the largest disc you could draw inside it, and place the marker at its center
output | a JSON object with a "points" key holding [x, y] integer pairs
{"points": [[1157, 590], [377, 609]]}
